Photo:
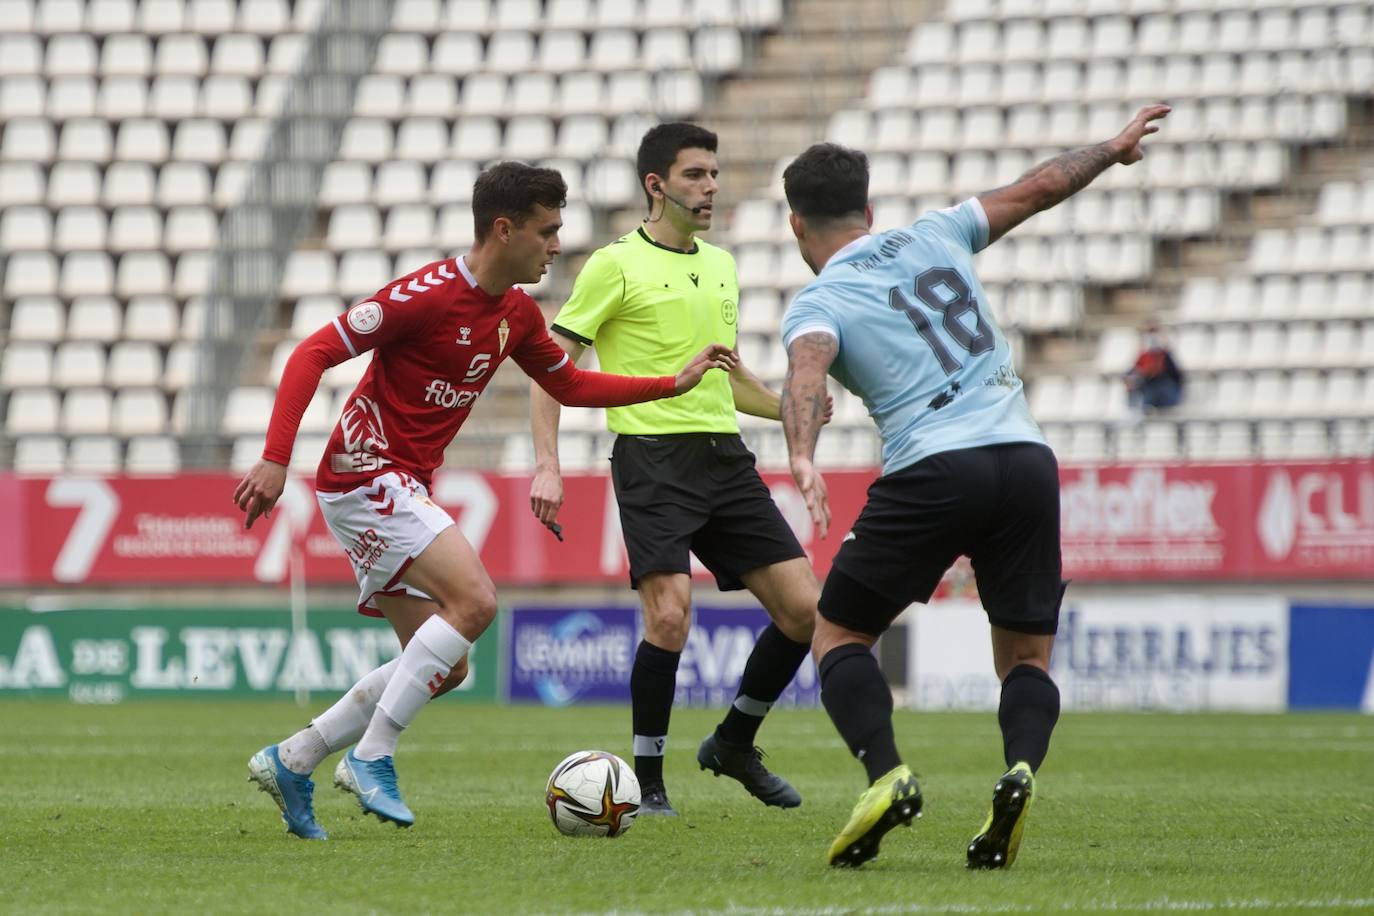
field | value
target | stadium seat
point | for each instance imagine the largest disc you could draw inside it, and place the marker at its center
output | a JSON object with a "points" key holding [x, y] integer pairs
{"points": [[245, 452], [20, 55], [429, 94], [456, 53], [422, 139], [247, 410], [139, 411], [613, 50], [477, 138], [362, 273], [408, 226], [402, 54], [134, 363], [528, 137], [79, 364], [510, 52], [40, 455], [85, 411], [379, 96], [307, 272], [26, 364], [152, 455], [452, 180], [181, 365], [151, 318], [366, 139]]}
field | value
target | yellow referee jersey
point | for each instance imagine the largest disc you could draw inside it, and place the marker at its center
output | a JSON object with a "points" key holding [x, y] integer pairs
{"points": [[647, 308]]}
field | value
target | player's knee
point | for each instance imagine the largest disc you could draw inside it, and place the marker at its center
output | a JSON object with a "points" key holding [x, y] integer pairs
{"points": [[483, 604], [666, 626], [797, 621]]}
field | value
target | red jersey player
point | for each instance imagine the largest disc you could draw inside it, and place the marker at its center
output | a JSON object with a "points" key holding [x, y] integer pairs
{"points": [[439, 335]]}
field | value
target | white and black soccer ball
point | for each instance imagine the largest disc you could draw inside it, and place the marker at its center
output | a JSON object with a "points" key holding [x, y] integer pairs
{"points": [[592, 793]]}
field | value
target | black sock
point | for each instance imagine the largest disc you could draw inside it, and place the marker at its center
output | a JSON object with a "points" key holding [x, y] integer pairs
{"points": [[1029, 709], [859, 702], [653, 679], [770, 668]]}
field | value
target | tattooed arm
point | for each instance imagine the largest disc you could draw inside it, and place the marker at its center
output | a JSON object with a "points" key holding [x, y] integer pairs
{"points": [[1057, 179], [804, 411]]}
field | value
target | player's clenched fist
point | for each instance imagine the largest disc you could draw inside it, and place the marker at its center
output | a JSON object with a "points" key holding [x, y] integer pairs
{"points": [[715, 356], [259, 490], [1127, 143]]}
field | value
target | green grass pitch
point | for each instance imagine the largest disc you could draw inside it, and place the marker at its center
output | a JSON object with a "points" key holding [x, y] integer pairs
{"points": [[146, 808]]}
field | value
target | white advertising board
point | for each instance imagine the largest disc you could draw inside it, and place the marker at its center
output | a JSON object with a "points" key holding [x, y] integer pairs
{"points": [[1172, 652]]}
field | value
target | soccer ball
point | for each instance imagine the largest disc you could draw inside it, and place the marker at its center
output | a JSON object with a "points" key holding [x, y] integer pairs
{"points": [[592, 793]]}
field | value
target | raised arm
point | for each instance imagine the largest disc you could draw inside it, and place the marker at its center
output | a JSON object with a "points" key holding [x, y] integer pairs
{"points": [[546, 490], [804, 411], [1057, 179]]}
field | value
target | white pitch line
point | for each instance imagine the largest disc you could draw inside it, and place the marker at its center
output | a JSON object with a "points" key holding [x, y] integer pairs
{"points": [[1164, 905]]}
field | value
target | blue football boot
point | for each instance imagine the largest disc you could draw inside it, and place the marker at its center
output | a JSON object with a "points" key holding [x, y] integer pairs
{"points": [[291, 791], [374, 782]]}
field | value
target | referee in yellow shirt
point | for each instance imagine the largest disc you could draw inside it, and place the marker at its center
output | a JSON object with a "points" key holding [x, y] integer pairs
{"points": [[682, 475]]}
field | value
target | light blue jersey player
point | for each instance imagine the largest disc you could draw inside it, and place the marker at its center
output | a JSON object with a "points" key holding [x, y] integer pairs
{"points": [[916, 339], [900, 319]]}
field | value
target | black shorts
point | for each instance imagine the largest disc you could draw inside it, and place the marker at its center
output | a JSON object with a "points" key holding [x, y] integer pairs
{"points": [[697, 492], [996, 504]]}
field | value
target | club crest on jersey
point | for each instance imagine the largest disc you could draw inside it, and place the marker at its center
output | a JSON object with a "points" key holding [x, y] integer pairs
{"points": [[502, 335], [463, 337], [365, 317]]}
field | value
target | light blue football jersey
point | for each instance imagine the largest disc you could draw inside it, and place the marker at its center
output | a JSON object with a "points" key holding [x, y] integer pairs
{"points": [[918, 342]]}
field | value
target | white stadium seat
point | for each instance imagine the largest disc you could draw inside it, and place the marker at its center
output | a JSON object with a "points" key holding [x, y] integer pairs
{"points": [[26, 365], [40, 455], [152, 455]]}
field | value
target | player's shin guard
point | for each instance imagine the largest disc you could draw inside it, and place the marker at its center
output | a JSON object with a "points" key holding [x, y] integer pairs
{"points": [[653, 680], [859, 702], [770, 668], [1027, 714], [424, 664]]}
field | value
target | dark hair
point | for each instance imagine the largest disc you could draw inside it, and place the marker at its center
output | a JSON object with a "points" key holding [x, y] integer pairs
{"points": [[827, 182], [661, 144], [511, 189]]}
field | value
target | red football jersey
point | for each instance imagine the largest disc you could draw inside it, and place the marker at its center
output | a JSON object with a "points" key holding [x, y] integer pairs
{"points": [[439, 338]]}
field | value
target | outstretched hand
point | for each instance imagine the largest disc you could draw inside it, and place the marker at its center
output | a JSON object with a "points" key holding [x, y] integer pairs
{"points": [[1127, 143], [812, 487], [259, 490], [715, 356]]}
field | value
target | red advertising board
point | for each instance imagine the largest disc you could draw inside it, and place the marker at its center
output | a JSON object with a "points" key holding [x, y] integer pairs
{"points": [[1225, 521], [1120, 523], [186, 529]]}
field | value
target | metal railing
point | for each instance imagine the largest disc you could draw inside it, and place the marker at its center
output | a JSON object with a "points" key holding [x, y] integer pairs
{"points": [[277, 210]]}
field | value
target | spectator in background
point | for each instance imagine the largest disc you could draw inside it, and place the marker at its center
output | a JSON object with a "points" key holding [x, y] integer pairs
{"points": [[1155, 382]]}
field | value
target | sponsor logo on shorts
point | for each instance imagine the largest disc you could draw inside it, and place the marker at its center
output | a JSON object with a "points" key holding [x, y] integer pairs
{"points": [[443, 394], [366, 550], [365, 317]]}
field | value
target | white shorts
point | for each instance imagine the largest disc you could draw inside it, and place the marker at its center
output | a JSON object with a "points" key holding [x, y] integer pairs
{"points": [[382, 527]]}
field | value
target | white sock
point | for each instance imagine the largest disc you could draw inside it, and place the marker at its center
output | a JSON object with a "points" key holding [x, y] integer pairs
{"points": [[338, 726], [303, 751], [427, 660]]}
